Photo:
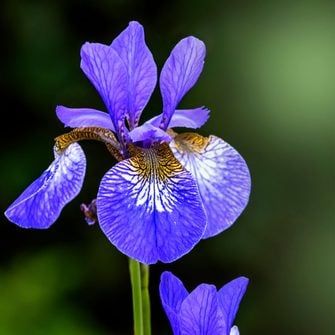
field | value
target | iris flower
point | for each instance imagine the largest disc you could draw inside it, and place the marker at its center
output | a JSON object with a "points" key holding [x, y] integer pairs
{"points": [[204, 311], [168, 190]]}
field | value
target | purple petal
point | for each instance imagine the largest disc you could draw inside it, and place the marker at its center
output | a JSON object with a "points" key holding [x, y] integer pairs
{"points": [[149, 132], [41, 203], [180, 72], [188, 118], [200, 314], [222, 176], [234, 331], [142, 71], [230, 297], [149, 207], [84, 117], [107, 72], [172, 293]]}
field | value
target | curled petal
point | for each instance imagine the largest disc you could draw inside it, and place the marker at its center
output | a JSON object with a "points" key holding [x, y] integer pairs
{"points": [[222, 176], [180, 72], [41, 203], [199, 313], [172, 293], [149, 207], [107, 72], [84, 117], [141, 68], [230, 297], [188, 118]]}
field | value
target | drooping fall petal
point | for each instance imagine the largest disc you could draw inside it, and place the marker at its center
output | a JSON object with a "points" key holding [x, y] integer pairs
{"points": [[149, 207], [222, 176], [42, 202]]}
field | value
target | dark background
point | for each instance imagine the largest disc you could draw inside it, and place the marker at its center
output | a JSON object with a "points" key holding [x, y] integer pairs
{"points": [[269, 80]]}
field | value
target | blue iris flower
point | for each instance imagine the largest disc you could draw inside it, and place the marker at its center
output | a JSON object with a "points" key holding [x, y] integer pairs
{"points": [[204, 311], [168, 190]]}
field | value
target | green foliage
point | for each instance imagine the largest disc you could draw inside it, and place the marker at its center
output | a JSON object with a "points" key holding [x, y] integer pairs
{"points": [[35, 291]]}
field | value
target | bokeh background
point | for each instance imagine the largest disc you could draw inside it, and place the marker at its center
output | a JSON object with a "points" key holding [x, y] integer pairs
{"points": [[269, 80]]}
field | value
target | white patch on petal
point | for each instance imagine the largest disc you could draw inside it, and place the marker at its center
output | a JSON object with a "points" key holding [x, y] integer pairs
{"points": [[153, 177], [234, 331]]}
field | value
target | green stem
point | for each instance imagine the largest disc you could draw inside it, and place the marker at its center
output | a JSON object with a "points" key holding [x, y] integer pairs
{"points": [[135, 278], [146, 299]]}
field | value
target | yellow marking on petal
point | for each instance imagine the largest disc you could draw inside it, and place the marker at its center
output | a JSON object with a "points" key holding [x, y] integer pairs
{"points": [[90, 133], [191, 142], [157, 162]]}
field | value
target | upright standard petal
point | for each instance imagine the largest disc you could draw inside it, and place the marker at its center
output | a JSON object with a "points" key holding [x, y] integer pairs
{"points": [[84, 117], [41, 203], [141, 68], [199, 313], [107, 72], [172, 293], [222, 176], [180, 72], [230, 297], [149, 206], [188, 118]]}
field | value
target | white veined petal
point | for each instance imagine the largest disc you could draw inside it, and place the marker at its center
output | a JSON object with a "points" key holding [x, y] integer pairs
{"points": [[149, 207], [42, 202], [222, 176]]}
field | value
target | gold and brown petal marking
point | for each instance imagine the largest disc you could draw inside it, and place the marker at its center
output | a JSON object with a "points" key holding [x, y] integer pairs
{"points": [[191, 142], [156, 163], [90, 133]]}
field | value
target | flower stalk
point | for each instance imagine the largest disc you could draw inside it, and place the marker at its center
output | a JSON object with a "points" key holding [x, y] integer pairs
{"points": [[146, 299], [135, 279]]}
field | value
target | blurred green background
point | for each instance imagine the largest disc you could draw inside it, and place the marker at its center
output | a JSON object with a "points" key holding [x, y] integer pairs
{"points": [[269, 81]]}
